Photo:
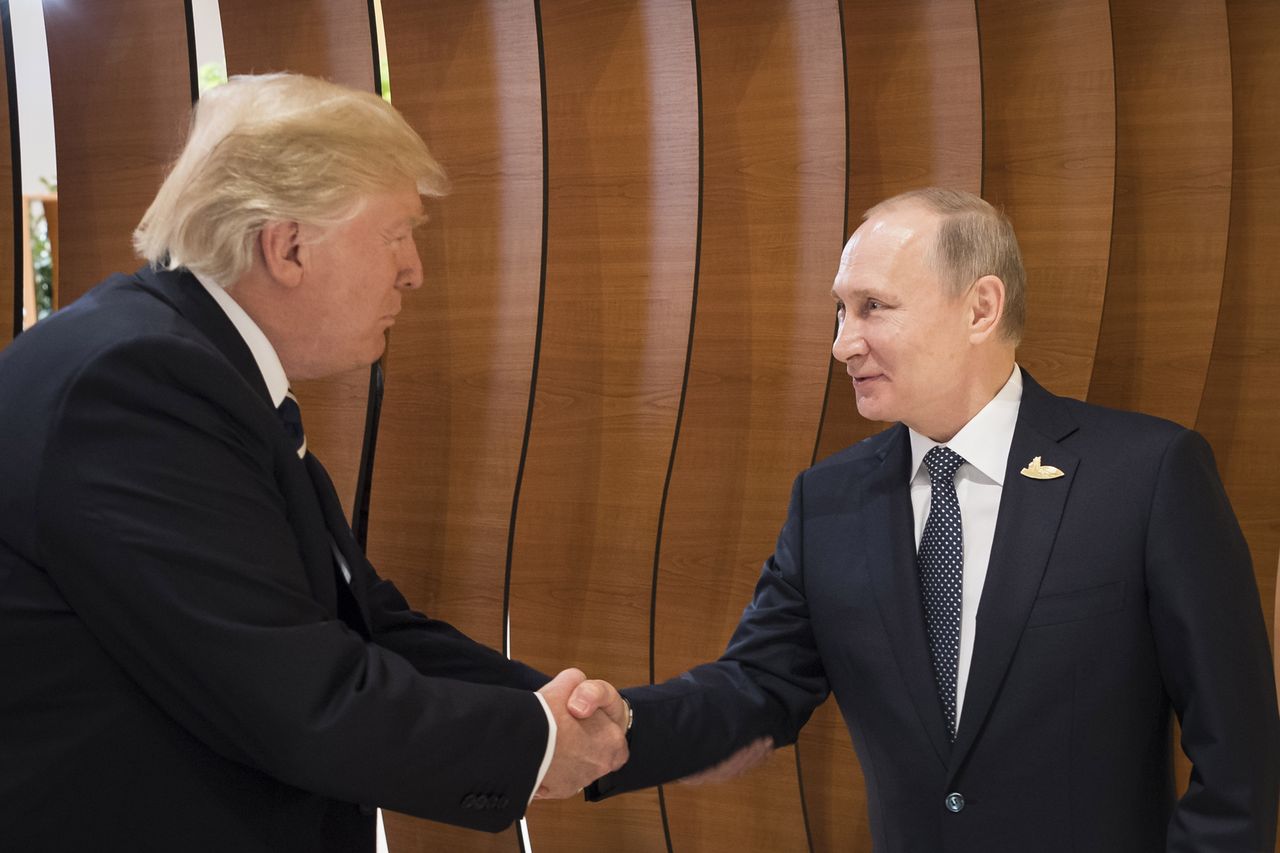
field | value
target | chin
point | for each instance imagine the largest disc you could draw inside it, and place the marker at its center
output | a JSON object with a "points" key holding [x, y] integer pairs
{"points": [[375, 351], [872, 413], [873, 409]]}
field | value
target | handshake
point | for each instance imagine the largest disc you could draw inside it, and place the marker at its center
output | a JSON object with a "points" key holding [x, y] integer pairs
{"points": [[592, 720]]}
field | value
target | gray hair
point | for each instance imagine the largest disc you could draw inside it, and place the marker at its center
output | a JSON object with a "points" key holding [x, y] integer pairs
{"points": [[974, 239]]}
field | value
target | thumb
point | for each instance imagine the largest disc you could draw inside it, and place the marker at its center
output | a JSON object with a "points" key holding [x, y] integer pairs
{"points": [[589, 696], [564, 683]]}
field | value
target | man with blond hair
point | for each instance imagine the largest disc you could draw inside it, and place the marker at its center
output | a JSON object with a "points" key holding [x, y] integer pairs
{"points": [[1008, 592], [196, 655]]}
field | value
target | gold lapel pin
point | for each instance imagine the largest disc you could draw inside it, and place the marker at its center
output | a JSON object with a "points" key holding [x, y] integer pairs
{"points": [[1036, 471]]}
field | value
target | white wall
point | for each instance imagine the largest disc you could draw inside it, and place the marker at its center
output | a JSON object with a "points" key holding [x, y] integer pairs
{"points": [[35, 108]]}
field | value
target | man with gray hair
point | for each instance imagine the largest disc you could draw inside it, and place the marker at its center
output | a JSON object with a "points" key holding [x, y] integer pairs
{"points": [[1008, 592], [197, 656]]}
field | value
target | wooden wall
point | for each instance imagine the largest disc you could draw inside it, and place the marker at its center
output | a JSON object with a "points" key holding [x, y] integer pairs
{"points": [[620, 359]]}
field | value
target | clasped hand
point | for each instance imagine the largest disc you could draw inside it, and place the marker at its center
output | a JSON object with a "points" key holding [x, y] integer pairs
{"points": [[591, 738], [591, 733]]}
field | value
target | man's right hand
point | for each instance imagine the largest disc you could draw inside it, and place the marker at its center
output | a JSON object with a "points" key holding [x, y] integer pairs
{"points": [[586, 749]]}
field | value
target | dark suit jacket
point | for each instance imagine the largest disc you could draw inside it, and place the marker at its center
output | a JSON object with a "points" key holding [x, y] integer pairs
{"points": [[1113, 595], [181, 668]]}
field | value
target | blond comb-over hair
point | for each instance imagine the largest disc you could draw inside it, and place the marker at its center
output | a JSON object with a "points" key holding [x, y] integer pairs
{"points": [[276, 147]]}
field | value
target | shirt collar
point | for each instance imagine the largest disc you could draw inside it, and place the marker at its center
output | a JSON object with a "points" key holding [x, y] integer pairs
{"points": [[985, 440], [264, 355]]}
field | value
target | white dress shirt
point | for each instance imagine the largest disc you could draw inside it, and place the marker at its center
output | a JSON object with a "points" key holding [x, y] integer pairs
{"points": [[264, 354], [984, 444]]}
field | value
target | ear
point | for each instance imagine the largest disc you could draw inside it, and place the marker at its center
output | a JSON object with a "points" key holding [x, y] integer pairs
{"points": [[985, 308], [281, 247]]}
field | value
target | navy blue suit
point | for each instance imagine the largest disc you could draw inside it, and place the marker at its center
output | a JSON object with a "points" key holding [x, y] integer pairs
{"points": [[181, 667], [1115, 595]]}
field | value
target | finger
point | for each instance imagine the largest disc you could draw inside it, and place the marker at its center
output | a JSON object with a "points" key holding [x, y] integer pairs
{"points": [[593, 695]]}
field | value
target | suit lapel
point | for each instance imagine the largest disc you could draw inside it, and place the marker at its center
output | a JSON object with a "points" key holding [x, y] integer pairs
{"points": [[189, 298], [351, 602], [307, 518], [889, 534], [1027, 524], [306, 497]]}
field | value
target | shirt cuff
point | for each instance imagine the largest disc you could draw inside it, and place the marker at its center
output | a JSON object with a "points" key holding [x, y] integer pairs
{"points": [[551, 747]]}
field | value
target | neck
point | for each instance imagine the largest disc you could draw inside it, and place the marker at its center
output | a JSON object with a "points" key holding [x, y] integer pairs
{"points": [[256, 296], [969, 400]]}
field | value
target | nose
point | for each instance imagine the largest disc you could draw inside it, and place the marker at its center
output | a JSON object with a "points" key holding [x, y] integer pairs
{"points": [[849, 342], [410, 277]]}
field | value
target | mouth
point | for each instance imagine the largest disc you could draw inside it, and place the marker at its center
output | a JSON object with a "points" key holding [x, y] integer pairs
{"points": [[867, 379]]}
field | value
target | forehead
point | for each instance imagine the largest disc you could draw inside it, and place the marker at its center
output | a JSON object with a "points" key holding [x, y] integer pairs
{"points": [[889, 249], [395, 206]]}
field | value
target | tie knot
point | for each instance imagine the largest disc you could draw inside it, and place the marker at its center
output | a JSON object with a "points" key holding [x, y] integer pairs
{"points": [[942, 462], [291, 417]]}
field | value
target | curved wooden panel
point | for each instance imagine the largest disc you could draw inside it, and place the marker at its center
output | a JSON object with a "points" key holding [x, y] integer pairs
{"points": [[914, 85], [1049, 160], [1242, 394], [622, 217], [329, 39], [323, 38], [121, 83], [1172, 200], [915, 98], [12, 233], [773, 207], [914, 92], [458, 373]]}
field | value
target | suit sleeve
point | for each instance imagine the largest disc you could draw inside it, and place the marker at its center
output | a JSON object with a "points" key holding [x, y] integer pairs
{"points": [[434, 647], [161, 524], [437, 648], [767, 682], [1213, 652]]}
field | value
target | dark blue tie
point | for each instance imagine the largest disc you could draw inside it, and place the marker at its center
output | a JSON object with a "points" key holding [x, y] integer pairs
{"points": [[291, 418], [941, 564]]}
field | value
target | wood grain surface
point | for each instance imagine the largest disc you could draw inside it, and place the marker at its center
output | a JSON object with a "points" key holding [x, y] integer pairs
{"points": [[1172, 201], [622, 227], [465, 75], [121, 83], [1049, 122], [773, 209]]}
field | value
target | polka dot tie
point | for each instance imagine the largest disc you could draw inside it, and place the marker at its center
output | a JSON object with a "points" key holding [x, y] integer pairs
{"points": [[291, 417], [941, 565]]}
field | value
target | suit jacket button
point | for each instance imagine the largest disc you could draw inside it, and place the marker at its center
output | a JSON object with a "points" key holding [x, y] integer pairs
{"points": [[954, 802]]}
